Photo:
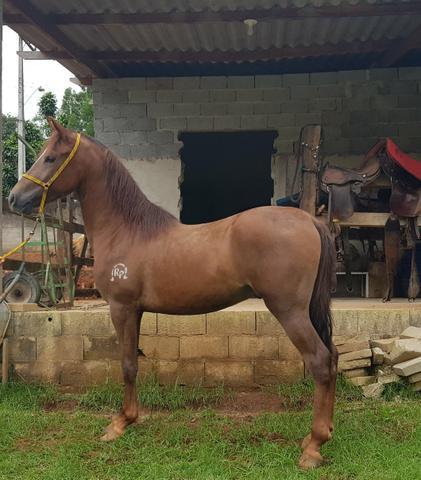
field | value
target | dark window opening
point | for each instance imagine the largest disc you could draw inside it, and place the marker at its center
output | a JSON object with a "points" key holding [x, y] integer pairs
{"points": [[225, 173]]}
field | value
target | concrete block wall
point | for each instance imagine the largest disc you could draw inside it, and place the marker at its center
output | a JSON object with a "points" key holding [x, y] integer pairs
{"points": [[233, 348], [140, 118]]}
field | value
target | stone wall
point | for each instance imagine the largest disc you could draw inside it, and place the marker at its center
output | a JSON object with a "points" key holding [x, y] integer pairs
{"points": [[140, 118], [234, 348]]}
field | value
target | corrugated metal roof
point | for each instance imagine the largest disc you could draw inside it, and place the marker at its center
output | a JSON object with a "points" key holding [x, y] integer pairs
{"points": [[221, 36]]}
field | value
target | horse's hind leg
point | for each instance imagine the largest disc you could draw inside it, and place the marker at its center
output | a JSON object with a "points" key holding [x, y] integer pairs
{"points": [[321, 363], [126, 321]]}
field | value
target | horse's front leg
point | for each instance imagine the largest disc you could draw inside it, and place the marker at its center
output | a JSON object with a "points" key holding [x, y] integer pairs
{"points": [[126, 321]]}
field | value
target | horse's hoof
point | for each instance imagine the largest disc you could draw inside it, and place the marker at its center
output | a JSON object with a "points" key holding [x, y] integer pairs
{"points": [[309, 461], [305, 442], [112, 432]]}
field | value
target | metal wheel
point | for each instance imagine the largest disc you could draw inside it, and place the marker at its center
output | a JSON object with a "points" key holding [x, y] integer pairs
{"points": [[26, 290]]}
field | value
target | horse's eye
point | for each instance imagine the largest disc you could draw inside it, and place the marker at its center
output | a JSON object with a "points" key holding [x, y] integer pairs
{"points": [[49, 159]]}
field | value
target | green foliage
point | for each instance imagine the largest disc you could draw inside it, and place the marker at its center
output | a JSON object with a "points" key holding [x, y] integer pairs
{"points": [[48, 105], [35, 138], [76, 111]]}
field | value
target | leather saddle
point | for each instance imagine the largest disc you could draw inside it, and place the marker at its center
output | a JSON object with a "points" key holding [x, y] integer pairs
{"points": [[343, 184]]}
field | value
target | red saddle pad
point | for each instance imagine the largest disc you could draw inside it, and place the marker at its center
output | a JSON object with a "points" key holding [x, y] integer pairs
{"points": [[408, 163]]}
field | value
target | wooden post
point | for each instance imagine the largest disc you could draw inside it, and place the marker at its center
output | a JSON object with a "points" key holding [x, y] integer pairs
{"points": [[309, 152], [5, 361]]}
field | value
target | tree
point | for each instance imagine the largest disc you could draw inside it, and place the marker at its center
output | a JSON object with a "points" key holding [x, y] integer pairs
{"points": [[76, 111], [48, 105], [34, 136]]}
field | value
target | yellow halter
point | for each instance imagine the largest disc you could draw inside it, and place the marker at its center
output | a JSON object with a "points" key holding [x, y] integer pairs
{"points": [[47, 185]]}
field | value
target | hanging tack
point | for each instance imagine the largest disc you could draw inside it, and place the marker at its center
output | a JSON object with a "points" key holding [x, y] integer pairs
{"points": [[250, 24]]}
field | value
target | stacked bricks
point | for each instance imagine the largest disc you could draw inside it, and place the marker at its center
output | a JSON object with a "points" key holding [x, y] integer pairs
{"points": [[241, 348], [142, 117]]}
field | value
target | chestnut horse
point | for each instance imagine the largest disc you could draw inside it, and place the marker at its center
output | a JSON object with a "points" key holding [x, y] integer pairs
{"points": [[146, 260]]}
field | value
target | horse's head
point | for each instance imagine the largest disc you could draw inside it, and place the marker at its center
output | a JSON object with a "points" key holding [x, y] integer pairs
{"points": [[45, 174]]}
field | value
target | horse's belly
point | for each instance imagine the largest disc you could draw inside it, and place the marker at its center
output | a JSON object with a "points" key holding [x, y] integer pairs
{"points": [[183, 299]]}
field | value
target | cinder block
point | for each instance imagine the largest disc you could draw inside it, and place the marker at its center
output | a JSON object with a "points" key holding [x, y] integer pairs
{"points": [[287, 351], [277, 94], [38, 372], [409, 73], [67, 347], [231, 322], [387, 321], [294, 106], [213, 108], [335, 118], [104, 84], [143, 124], [155, 110], [337, 90], [111, 138], [22, 349], [131, 83], [296, 79], [186, 109], [193, 96], [186, 83], [160, 137], [101, 348], [267, 324], [240, 108], [323, 78], [268, 81], [242, 81], [181, 324], [383, 74], [116, 96], [266, 108], [253, 122], [143, 151], [411, 332], [159, 83], [303, 91], [200, 123], [402, 87], [408, 101], [149, 324], [170, 150], [204, 346], [320, 104], [213, 82], [123, 151], [97, 97], [356, 355], [133, 110], [37, 324], [410, 130], [169, 96], [80, 322], [281, 120], [176, 123], [227, 122], [190, 373], [133, 138], [89, 372], [286, 147], [223, 95], [353, 76], [147, 368], [345, 322], [253, 347], [142, 96], [272, 372], [250, 95], [160, 347], [105, 111], [98, 125], [289, 133], [302, 119], [230, 374]]}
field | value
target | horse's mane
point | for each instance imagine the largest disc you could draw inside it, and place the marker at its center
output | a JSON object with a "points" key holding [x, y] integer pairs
{"points": [[128, 201]]}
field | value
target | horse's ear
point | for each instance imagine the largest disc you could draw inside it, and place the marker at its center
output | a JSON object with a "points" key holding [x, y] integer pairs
{"points": [[56, 126]]}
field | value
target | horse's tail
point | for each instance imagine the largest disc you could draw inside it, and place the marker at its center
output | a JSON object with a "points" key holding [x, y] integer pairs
{"points": [[320, 314]]}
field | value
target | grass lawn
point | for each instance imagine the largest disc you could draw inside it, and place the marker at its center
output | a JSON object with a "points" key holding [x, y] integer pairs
{"points": [[186, 434]]}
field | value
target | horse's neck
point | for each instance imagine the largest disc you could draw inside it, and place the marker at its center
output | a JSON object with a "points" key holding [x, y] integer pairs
{"points": [[98, 217]]}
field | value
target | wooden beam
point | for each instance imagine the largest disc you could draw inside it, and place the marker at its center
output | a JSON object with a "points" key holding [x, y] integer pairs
{"points": [[239, 15], [38, 19], [400, 49], [178, 56]]}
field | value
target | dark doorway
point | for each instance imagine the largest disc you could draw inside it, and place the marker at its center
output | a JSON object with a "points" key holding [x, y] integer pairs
{"points": [[225, 173]]}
